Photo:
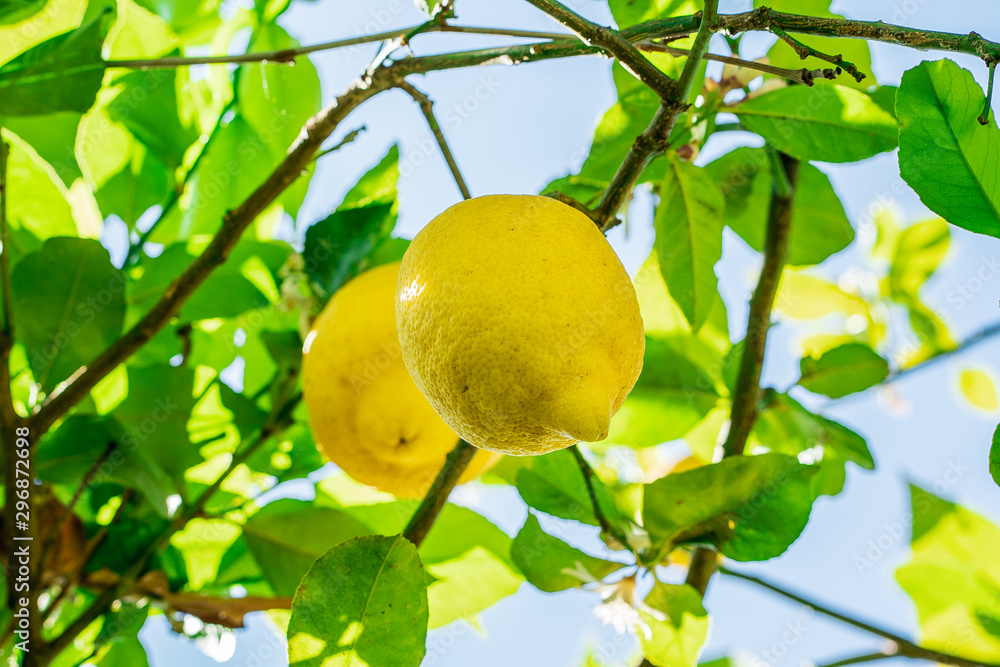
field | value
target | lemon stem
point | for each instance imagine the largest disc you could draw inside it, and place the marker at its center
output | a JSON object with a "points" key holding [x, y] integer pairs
{"points": [[432, 504]]}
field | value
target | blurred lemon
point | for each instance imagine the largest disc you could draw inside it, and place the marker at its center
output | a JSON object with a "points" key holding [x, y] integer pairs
{"points": [[366, 414], [519, 323]]}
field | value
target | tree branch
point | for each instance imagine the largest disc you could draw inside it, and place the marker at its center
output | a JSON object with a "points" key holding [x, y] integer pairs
{"points": [[434, 501], [804, 51], [588, 477], [655, 139], [907, 649], [427, 108], [806, 77], [611, 42], [747, 389], [858, 659]]}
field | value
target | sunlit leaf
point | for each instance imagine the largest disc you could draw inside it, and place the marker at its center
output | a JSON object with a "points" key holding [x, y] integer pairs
{"points": [[63, 73], [551, 565], [919, 251], [677, 623], [751, 507], [364, 601], [802, 296], [71, 306], [820, 227], [843, 370], [825, 123], [995, 457], [688, 244], [555, 485], [945, 155]]}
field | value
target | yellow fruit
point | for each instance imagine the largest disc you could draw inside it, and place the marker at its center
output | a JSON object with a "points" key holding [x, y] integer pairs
{"points": [[519, 323], [366, 414]]}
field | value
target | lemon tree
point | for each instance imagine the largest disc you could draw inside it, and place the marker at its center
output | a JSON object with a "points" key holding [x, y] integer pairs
{"points": [[216, 403]]}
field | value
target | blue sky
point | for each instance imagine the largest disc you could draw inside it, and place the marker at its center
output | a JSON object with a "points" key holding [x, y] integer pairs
{"points": [[514, 129]]}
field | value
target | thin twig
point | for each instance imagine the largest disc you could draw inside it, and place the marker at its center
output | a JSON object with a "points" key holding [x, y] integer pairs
{"points": [[804, 51], [907, 648], [434, 501], [611, 42], [427, 108], [348, 138], [178, 190], [858, 659], [656, 137], [607, 527], [984, 117], [806, 77], [88, 477]]}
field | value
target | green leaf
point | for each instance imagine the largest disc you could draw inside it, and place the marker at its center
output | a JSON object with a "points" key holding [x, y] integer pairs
{"points": [[63, 73], [854, 51], [820, 227], [70, 302], [688, 244], [68, 453], [825, 123], [287, 536], [750, 507], [36, 201], [629, 12], [671, 395], [678, 626], [362, 602], [952, 575], [464, 586], [995, 457], [147, 105], [551, 565], [945, 155], [15, 11], [917, 254], [785, 426], [843, 370], [555, 485], [52, 136], [346, 242]]}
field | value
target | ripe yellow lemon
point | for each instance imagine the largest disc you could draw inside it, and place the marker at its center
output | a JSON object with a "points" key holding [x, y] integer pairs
{"points": [[519, 324], [366, 414]]}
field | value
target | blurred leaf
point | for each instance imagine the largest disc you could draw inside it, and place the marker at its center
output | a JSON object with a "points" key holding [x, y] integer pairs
{"points": [[203, 543], [919, 251], [885, 97], [52, 136], [995, 457], [551, 565], [155, 415], [802, 296], [825, 123], [843, 370], [138, 33], [678, 626], [70, 304], [942, 143], [67, 453], [147, 105], [287, 536], [688, 243], [63, 73], [629, 12], [364, 601], [15, 11], [952, 576], [671, 395], [750, 507], [120, 635], [978, 388], [786, 427], [854, 51], [467, 585], [36, 201], [820, 227], [555, 485]]}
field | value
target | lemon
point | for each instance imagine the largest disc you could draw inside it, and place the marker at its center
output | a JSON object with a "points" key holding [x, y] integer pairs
{"points": [[519, 323], [366, 414]]}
